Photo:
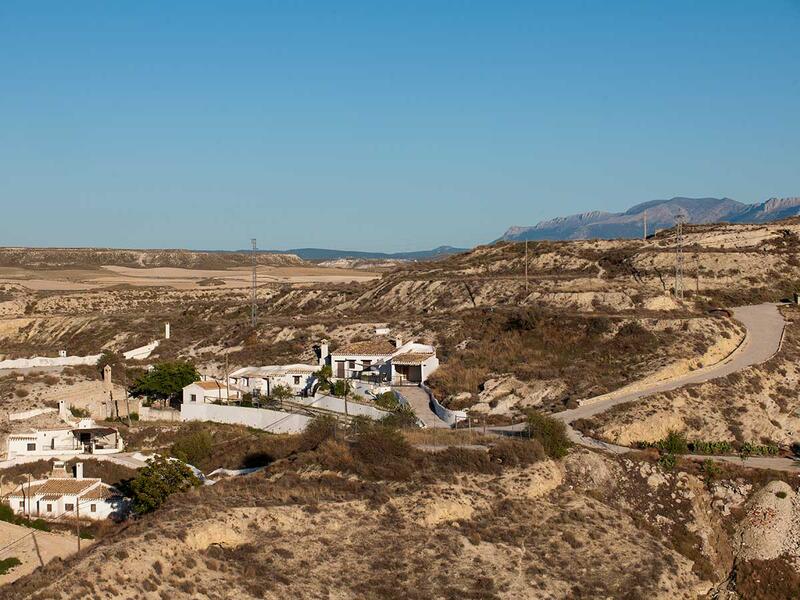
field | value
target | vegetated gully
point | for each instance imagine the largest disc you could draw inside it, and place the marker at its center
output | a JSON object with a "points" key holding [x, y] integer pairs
{"points": [[764, 326]]}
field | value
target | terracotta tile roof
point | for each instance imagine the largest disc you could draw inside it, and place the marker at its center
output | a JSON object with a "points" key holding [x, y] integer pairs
{"points": [[411, 358], [23, 490], [210, 385], [101, 492], [368, 348], [67, 486]]}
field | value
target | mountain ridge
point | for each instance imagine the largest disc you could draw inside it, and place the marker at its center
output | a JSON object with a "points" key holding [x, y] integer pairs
{"points": [[661, 214]]}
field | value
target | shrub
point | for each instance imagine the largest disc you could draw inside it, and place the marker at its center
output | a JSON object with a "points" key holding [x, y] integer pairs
{"points": [[387, 401], [79, 413], [380, 444], [667, 461], [402, 418], [21, 392], [320, 428], [781, 494], [674, 443], [194, 447], [517, 452], [9, 563], [134, 416], [341, 387], [549, 432], [281, 392]]}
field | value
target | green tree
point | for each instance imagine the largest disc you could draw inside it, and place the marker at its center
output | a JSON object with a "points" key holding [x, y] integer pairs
{"points": [[165, 381], [281, 392], [324, 376], [157, 481]]}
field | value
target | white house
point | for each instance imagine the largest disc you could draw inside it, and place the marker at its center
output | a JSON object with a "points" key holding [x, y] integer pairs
{"points": [[211, 391], [384, 361], [260, 381], [86, 438], [63, 497]]}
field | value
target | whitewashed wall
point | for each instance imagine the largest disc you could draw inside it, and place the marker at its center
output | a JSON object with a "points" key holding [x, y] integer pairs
{"points": [[259, 418]]}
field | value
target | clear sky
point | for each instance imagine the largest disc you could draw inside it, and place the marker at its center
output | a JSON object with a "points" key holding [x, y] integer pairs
{"points": [[382, 125]]}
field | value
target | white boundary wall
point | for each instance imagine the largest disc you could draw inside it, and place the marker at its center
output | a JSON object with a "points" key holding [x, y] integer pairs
{"points": [[48, 361], [142, 352], [335, 404], [451, 417], [259, 418]]}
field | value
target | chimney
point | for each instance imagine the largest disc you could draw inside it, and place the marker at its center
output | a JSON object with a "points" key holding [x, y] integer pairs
{"points": [[398, 341], [324, 352], [107, 378], [166, 331], [79, 470], [59, 469], [62, 409]]}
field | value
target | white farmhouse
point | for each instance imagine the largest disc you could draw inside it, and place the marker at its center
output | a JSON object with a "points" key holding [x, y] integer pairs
{"points": [[260, 381], [86, 438], [211, 391], [384, 361], [62, 497]]}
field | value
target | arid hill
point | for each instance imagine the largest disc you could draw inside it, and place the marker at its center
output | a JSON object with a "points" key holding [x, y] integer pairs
{"points": [[87, 258]]}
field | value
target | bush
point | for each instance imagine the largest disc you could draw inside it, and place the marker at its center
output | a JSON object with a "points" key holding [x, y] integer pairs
{"points": [[281, 392], [320, 428], [517, 452], [549, 432], [193, 448], [341, 387], [402, 418], [378, 444], [134, 416], [79, 413], [9, 563], [387, 401], [21, 392], [667, 461], [675, 443]]}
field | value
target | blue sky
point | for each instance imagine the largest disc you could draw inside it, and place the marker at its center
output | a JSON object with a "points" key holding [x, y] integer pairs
{"points": [[382, 125]]}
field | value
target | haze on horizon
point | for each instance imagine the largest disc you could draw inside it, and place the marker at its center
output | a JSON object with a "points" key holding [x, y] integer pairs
{"points": [[381, 126]]}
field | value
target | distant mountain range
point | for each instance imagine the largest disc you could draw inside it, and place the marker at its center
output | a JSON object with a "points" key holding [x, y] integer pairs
{"points": [[661, 214], [328, 254]]}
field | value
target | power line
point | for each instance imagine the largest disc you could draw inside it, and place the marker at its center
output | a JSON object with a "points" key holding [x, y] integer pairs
{"points": [[679, 256], [253, 302]]}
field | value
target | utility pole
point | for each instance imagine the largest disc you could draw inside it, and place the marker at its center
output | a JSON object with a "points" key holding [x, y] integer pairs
{"points": [[644, 239], [78, 519], [526, 266], [227, 385], [253, 305], [679, 257]]}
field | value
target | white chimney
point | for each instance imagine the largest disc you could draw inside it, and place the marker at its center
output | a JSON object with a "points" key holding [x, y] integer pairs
{"points": [[79, 470], [166, 331], [398, 341], [324, 351], [62, 409]]}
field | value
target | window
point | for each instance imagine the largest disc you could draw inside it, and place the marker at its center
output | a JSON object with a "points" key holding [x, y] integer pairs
{"points": [[49, 508], [194, 397], [351, 364], [69, 507], [297, 379], [22, 503], [93, 507], [367, 363], [32, 447]]}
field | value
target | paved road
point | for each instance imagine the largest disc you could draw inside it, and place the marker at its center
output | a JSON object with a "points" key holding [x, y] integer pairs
{"points": [[764, 326], [421, 405]]}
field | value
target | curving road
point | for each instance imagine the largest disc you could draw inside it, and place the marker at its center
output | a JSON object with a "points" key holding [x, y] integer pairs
{"points": [[764, 326]]}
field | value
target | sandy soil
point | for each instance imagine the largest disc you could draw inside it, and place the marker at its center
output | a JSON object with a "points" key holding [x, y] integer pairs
{"points": [[178, 278], [33, 548]]}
